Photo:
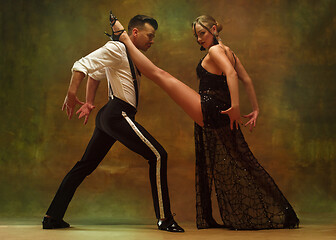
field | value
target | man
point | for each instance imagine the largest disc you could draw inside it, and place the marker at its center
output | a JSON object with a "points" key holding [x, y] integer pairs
{"points": [[114, 122]]}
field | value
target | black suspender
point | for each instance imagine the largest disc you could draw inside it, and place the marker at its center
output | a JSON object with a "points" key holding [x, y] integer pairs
{"points": [[110, 90], [135, 81]]}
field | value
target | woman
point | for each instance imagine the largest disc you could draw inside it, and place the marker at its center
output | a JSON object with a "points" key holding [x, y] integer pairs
{"points": [[247, 196]]}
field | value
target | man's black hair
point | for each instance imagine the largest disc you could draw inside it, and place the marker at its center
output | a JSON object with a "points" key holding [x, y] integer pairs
{"points": [[139, 21]]}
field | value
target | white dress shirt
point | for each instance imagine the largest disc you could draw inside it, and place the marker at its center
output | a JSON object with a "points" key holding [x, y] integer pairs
{"points": [[111, 62]]}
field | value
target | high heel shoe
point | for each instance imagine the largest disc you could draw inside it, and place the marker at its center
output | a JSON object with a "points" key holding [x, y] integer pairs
{"points": [[115, 34]]}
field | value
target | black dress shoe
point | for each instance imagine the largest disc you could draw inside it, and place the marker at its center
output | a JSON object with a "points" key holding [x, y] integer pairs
{"points": [[52, 223], [169, 225]]}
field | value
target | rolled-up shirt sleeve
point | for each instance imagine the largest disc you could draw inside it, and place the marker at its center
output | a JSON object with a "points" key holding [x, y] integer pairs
{"points": [[98, 75], [107, 56]]}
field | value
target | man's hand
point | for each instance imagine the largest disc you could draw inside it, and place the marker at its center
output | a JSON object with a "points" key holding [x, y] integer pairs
{"points": [[234, 114], [69, 104], [85, 110]]}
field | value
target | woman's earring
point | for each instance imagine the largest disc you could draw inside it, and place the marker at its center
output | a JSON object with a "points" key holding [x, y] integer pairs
{"points": [[215, 41]]}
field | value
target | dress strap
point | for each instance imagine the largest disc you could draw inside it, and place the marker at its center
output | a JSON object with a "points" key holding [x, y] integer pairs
{"points": [[234, 57]]}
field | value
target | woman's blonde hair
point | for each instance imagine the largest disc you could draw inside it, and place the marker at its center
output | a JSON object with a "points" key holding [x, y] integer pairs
{"points": [[207, 22]]}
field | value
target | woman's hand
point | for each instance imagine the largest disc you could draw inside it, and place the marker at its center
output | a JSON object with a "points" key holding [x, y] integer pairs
{"points": [[85, 110], [253, 119], [234, 114]]}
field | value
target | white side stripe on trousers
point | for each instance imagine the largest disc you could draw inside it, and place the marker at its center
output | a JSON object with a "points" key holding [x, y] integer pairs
{"points": [[158, 162]]}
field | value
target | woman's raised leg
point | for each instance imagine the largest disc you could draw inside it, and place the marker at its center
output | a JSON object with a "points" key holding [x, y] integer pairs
{"points": [[188, 99]]}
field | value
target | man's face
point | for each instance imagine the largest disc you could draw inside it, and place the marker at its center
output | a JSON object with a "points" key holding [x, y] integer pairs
{"points": [[144, 36]]}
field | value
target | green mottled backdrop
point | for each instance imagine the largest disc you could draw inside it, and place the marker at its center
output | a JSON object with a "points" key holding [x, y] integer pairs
{"points": [[288, 48]]}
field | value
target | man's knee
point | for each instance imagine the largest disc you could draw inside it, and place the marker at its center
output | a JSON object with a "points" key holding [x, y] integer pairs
{"points": [[159, 154], [83, 168], [163, 154]]}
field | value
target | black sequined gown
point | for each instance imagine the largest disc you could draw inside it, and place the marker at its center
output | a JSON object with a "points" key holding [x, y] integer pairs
{"points": [[247, 196]]}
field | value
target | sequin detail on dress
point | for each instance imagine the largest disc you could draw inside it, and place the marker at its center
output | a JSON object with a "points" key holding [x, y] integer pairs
{"points": [[248, 198]]}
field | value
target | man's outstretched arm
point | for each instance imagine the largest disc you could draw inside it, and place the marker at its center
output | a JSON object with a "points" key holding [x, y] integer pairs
{"points": [[71, 99], [91, 89], [107, 56]]}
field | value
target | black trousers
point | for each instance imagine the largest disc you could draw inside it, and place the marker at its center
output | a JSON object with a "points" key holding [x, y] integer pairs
{"points": [[115, 122]]}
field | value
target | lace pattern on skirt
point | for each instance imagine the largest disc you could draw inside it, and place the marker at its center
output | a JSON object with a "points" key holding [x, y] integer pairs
{"points": [[247, 196]]}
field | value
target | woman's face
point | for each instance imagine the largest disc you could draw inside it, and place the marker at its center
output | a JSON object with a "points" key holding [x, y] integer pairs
{"points": [[204, 37]]}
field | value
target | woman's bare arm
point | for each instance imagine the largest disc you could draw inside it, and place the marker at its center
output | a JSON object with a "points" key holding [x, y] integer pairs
{"points": [[218, 56], [248, 84]]}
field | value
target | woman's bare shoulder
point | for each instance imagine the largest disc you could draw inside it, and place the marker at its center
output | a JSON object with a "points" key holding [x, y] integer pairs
{"points": [[216, 51], [220, 48], [216, 48]]}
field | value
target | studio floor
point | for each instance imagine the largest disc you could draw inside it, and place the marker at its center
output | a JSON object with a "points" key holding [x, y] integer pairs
{"points": [[20, 230]]}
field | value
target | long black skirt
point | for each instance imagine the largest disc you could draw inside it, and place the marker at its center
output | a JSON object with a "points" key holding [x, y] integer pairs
{"points": [[248, 198]]}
